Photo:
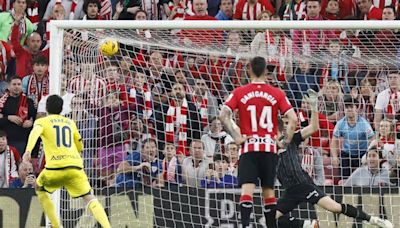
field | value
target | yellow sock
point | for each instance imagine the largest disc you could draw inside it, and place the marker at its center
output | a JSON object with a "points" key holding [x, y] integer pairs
{"points": [[99, 213], [48, 208]]}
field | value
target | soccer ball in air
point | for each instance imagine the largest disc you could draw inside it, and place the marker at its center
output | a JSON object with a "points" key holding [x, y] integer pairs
{"points": [[109, 47]]}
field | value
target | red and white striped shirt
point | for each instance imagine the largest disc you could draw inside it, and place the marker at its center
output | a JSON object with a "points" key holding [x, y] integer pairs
{"points": [[244, 11], [96, 87]]}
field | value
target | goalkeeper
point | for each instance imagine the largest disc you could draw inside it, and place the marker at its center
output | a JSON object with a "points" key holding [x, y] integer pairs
{"points": [[62, 145], [299, 186]]}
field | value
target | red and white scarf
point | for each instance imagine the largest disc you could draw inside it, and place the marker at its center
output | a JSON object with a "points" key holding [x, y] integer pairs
{"points": [[253, 12], [5, 5], [278, 59], [22, 24], [299, 8], [105, 11], [173, 115], [33, 13], [72, 9], [10, 166], [147, 110], [394, 103], [34, 90], [151, 8], [203, 108], [5, 56]]}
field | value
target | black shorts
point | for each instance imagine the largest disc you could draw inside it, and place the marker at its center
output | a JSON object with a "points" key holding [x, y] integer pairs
{"points": [[297, 194], [257, 165]]}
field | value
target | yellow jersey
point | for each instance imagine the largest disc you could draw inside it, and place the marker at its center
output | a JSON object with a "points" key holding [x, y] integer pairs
{"points": [[62, 142]]}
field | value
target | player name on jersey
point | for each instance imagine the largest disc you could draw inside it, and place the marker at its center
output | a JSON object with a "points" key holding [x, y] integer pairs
{"points": [[258, 94]]}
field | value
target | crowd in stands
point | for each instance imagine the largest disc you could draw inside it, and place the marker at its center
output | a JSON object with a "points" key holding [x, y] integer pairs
{"points": [[148, 115]]}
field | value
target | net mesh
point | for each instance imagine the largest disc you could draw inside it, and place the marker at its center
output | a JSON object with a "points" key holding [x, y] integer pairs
{"points": [[147, 166]]}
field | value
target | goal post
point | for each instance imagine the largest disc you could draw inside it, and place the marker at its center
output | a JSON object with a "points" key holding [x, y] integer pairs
{"points": [[124, 100]]}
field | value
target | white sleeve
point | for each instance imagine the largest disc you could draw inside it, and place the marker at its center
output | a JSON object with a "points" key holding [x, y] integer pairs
{"points": [[42, 105], [381, 101]]}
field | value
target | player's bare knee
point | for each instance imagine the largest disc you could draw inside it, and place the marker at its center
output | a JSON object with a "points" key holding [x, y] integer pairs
{"points": [[268, 193], [248, 189], [336, 207]]}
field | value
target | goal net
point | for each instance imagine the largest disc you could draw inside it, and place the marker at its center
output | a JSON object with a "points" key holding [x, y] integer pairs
{"points": [[155, 154]]}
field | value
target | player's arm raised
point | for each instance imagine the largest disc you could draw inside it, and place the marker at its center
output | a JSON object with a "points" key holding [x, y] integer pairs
{"points": [[312, 100], [230, 126], [33, 137]]}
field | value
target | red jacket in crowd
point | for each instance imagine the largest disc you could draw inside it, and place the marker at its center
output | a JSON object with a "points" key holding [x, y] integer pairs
{"points": [[23, 56]]}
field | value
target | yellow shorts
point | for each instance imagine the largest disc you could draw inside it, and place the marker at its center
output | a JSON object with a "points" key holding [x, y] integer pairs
{"points": [[74, 180]]}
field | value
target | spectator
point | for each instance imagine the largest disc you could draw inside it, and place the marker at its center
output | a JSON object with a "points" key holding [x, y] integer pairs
{"points": [[292, 10], [171, 165], [57, 13], [140, 168], [233, 41], [213, 7], [251, 9], [137, 134], [27, 178], [92, 9], [196, 165], [217, 175], [232, 152], [9, 160], [331, 102], [18, 113], [115, 82], [225, 10], [216, 140], [178, 10], [320, 139], [356, 134], [205, 102], [369, 96], [37, 85], [355, 94], [307, 42], [371, 175], [6, 53], [312, 162], [208, 37], [304, 78], [153, 11], [337, 66], [23, 55], [89, 83], [368, 10], [182, 122], [388, 101], [126, 10], [113, 131], [332, 10], [385, 141], [140, 95], [72, 8], [389, 13], [395, 173], [16, 17]]}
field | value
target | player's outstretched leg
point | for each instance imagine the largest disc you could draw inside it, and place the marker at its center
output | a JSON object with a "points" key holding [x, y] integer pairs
{"points": [[97, 210], [351, 211], [48, 207]]}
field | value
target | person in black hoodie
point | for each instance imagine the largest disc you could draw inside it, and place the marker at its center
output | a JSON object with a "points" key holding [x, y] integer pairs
{"points": [[17, 113]]}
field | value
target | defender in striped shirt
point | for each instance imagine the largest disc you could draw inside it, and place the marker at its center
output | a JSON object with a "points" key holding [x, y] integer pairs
{"points": [[299, 187], [258, 105]]}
